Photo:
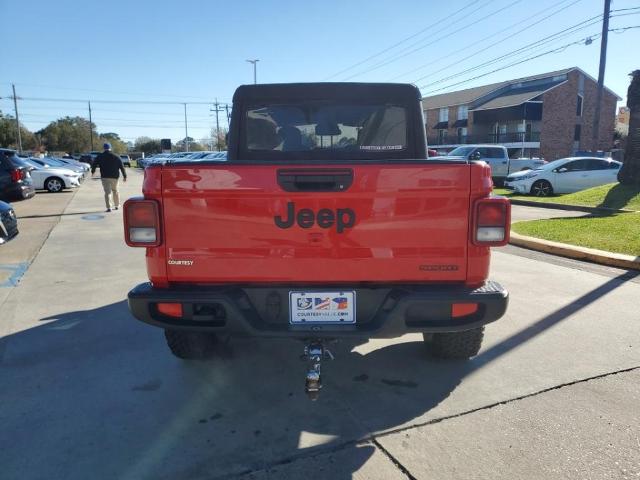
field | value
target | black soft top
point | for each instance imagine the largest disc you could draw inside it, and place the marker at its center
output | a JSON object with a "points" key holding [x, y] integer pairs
{"points": [[352, 91], [406, 95]]}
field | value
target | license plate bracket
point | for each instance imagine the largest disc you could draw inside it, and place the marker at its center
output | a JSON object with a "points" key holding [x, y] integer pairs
{"points": [[322, 307]]}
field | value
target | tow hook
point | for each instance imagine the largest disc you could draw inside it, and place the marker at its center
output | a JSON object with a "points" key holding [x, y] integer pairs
{"points": [[314, 352]]}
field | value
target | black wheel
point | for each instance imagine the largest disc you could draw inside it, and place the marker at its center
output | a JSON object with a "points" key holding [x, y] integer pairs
{"points": [[190, 345], [456, 344], [541, 188], [54, 184]]}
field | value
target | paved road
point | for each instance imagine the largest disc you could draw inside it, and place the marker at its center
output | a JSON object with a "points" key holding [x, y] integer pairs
{"points": [[87, 392]]}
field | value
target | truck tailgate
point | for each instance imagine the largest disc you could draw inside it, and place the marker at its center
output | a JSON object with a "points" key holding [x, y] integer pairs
{"points": [[237, 224]]}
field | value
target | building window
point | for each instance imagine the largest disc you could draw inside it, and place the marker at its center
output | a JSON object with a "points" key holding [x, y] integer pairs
{"points": [[463, 112], [442, 136], [579, 107], [444, 115], [462, 134], [576, 133]]}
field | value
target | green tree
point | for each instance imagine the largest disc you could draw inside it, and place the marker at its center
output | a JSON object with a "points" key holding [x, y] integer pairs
{"points": [[8, 137], [630, 172], [147, 145], [117, 145], [70, 134]]}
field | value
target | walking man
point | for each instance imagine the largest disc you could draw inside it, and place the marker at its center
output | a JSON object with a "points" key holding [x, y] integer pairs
{"points": [[110, 167]]}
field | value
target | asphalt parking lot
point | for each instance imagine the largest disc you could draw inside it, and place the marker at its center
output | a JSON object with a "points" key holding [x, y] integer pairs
{"points": [[88, 392]]}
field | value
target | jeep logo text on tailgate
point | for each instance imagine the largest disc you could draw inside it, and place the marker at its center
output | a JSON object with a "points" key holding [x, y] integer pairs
{"points": [[342, 218]]}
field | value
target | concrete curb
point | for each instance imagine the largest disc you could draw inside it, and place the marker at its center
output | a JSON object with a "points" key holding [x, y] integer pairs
{"points": [[580, 253], [561, 206]]}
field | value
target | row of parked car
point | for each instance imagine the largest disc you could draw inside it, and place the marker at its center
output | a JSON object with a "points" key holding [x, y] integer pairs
{"points": [[21, 177]]}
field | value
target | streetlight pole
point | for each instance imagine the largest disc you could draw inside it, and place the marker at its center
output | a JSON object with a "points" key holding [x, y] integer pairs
{"points": [[254, 61]]}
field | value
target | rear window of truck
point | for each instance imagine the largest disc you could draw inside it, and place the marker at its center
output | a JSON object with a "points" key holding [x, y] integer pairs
{"points": [[321, 127]]}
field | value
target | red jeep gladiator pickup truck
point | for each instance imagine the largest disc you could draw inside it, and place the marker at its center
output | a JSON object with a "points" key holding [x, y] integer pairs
{"points": [[327, 220]]}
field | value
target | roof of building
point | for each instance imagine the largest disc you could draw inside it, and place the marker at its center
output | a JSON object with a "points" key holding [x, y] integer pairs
{"points": [[461, 97], [508, 98], [511, 99]]}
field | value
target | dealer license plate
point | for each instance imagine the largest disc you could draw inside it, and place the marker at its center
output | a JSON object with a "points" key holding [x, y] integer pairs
{"points": [[322, 307]]}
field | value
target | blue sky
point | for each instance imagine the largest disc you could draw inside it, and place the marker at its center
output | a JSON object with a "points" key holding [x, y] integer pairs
{"points": [[187, 51]]}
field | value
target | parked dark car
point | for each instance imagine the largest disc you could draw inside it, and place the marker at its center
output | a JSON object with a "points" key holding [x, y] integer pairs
{"points": [[87, 158], [15, 180], [8, 223]]}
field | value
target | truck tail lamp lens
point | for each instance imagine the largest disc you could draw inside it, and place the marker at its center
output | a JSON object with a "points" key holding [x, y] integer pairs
{"points": [[463, 309], [142, 223], [492, 221], [170, 309]]}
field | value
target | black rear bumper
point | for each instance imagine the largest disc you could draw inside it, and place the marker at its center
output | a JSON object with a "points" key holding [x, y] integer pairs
{"points": [[382, 312]]}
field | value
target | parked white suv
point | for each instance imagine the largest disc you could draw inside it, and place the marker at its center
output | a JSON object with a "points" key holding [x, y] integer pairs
{"points": [[564, 176]]}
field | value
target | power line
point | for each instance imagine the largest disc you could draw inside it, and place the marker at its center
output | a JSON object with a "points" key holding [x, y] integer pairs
{"points": [[422, 47], [550, 38], [54, 87], [75, 100], [399, 43], [624, 9], [123, 122], [502, 39], [556, 50], [623, 29]]}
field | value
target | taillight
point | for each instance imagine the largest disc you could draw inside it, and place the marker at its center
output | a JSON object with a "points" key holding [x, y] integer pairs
{"points": [[463, 309], [170, 309], [17, 175], [492, 221], [141, 223]]}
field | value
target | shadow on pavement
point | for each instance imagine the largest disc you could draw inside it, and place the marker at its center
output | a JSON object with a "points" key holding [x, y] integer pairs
{"points": [[552, 319], [22, 217], [97, 393], [97, 389]]}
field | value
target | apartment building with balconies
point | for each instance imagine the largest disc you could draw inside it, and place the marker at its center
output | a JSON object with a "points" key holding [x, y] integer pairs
{"points": [[549, 115]]}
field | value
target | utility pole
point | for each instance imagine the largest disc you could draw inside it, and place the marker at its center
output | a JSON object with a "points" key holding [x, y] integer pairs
{"points": [[603, 62], [226, 107], [254, 61], [15, 106], [186, 132], [90, 125], [217, 109]]}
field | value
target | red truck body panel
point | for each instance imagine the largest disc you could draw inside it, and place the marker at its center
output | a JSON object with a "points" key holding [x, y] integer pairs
{"points": [[411, 225]]}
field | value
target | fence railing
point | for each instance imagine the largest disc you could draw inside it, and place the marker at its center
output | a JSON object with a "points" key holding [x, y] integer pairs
{"points": [[497, 138]]}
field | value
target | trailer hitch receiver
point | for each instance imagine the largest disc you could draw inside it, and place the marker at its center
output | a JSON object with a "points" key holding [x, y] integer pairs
{"points": [[314, 352]]}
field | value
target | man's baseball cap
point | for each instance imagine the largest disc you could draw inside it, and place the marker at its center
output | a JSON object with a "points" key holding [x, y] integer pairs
{"points": [[107, 146]]}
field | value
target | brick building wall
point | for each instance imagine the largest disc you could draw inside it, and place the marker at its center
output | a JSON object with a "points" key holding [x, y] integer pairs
{"points": [[432, 119], [607, 118], [558, 120], [433, 116]]}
